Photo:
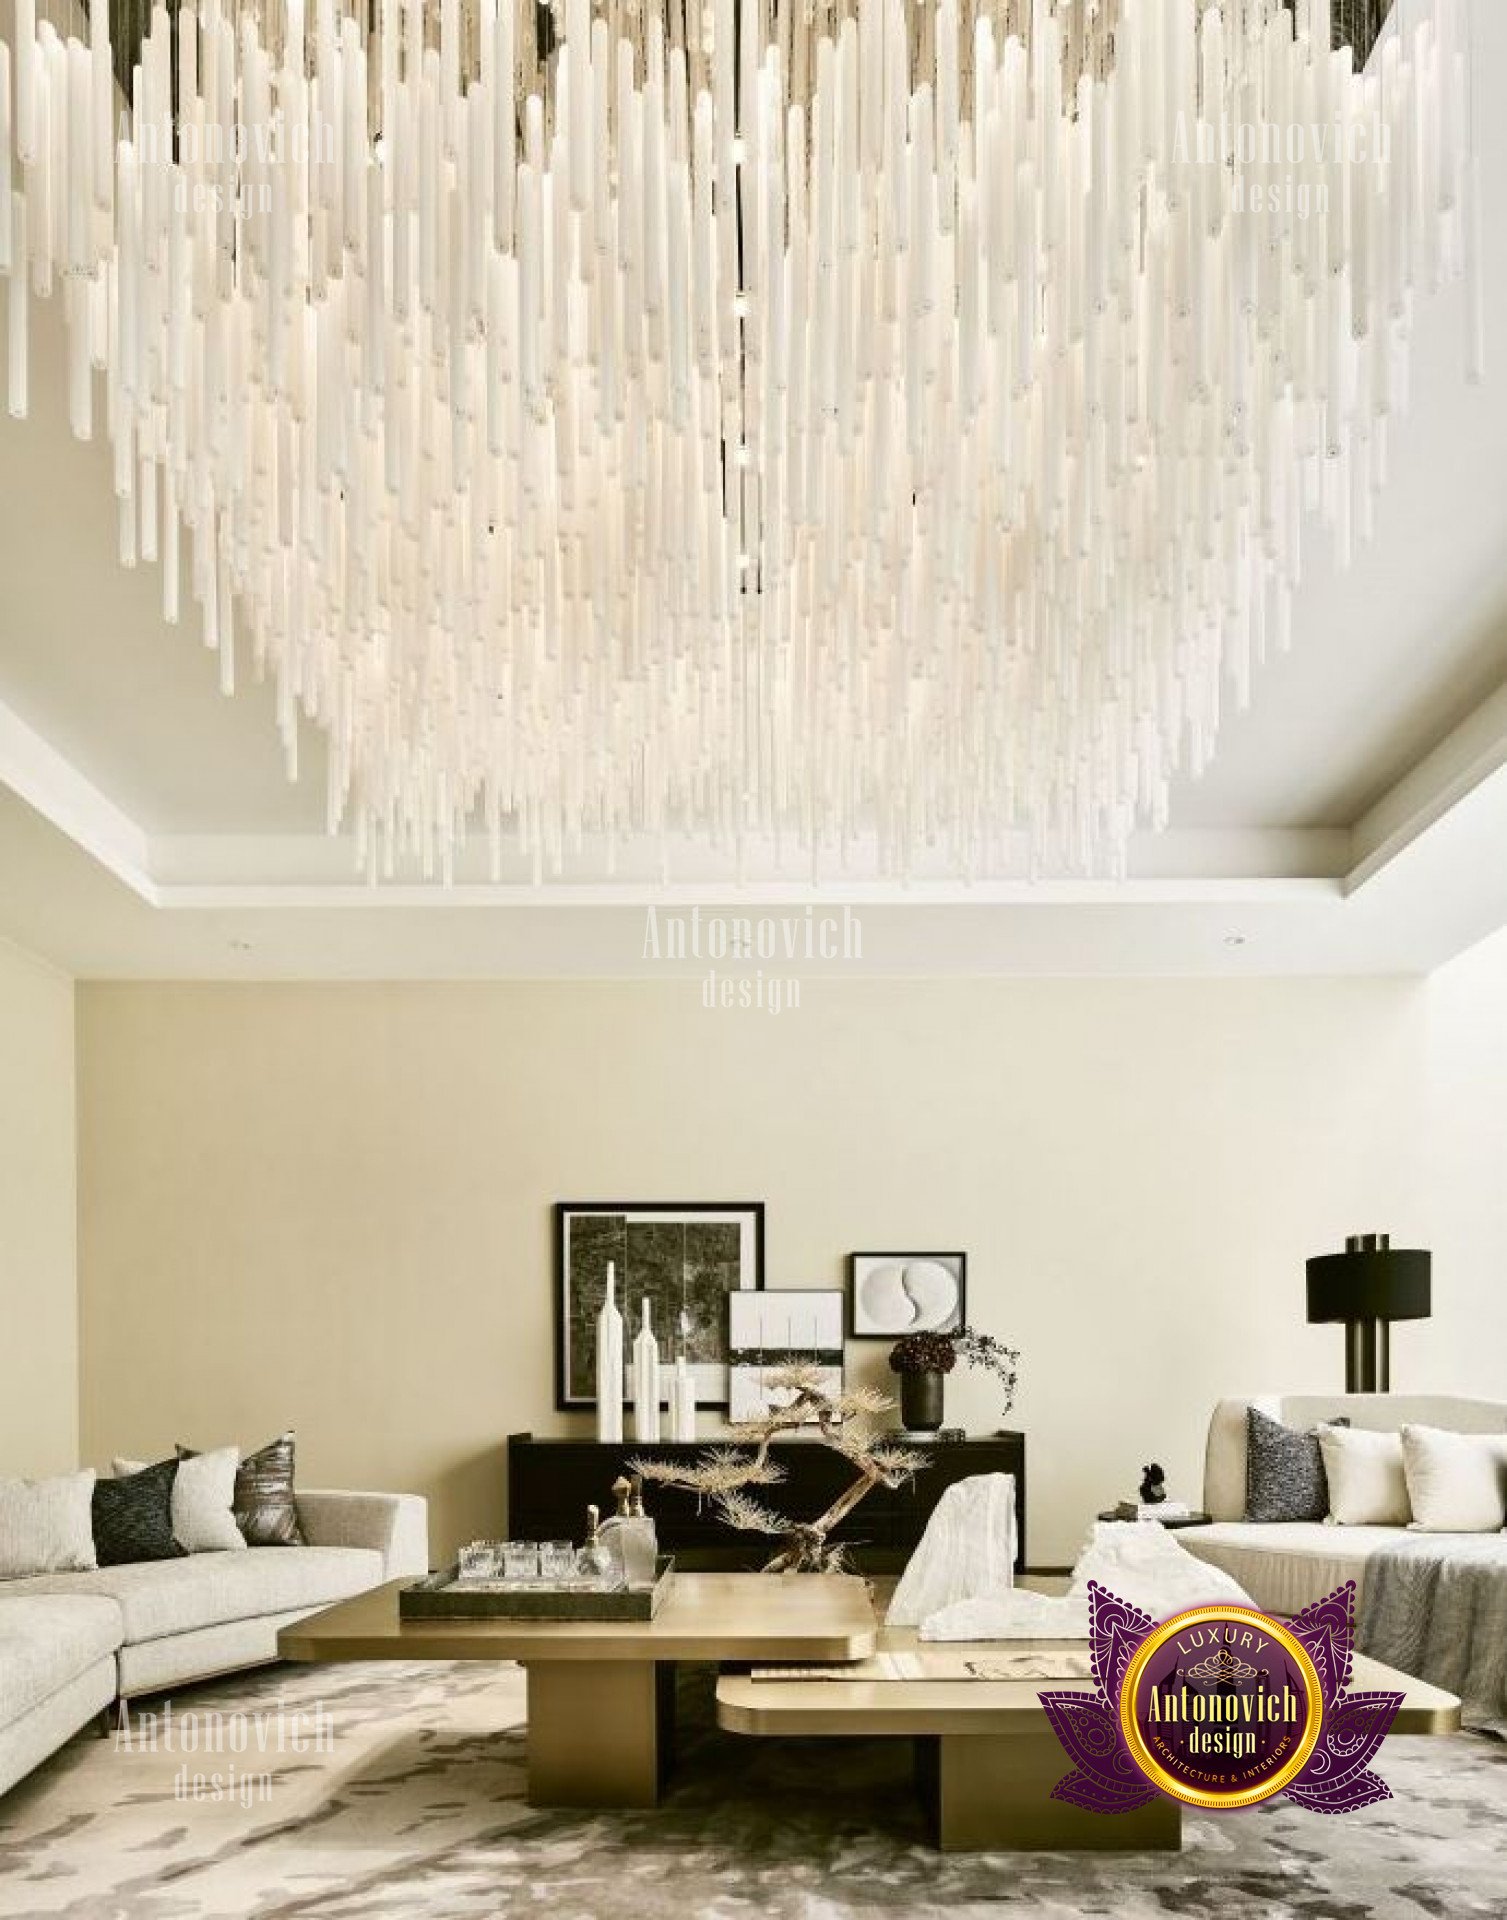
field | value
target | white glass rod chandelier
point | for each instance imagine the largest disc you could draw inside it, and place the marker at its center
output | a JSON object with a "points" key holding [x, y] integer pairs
{"points": [[874, 426]]}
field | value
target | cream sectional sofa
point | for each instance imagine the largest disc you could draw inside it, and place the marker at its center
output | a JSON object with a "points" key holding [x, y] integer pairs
{"points": [[1286, 1565], [71, 1643]]}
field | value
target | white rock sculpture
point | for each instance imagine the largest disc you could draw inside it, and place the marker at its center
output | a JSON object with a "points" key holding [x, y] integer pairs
{"points": [[1145, 1564], [1019, 1615], [966, 1553]]}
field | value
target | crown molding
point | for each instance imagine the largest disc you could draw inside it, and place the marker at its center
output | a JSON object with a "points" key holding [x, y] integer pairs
{"points": [[31, 767]]}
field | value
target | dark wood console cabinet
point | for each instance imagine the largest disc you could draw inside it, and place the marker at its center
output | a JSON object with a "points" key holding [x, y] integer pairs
{"points": [[551, 1482]]}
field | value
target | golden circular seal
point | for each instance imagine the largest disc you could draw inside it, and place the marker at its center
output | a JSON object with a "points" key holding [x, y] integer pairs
{"points": [[1221, 1706]]}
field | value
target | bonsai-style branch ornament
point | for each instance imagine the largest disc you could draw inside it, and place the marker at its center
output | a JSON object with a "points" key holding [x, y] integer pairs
{"points": [[845, 1422]]}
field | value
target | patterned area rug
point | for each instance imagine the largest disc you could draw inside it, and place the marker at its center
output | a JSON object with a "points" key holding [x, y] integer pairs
{"points": [[407, 1800]]}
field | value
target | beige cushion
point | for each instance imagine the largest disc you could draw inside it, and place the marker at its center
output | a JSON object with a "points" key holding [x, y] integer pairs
{"points": [[1367, 1486], [176, 1596], [203, 1500], [1286, 1565], [1457, 1482], [46, 1526], [46, 1643]]}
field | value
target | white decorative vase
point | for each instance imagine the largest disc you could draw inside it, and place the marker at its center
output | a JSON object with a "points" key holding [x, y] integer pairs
{"points": [[682, 1401], [646, 1382], [610, 1364]]}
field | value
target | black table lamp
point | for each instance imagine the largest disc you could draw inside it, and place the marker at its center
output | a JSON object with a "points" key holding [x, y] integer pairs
{"points": [[1369, 1285]]}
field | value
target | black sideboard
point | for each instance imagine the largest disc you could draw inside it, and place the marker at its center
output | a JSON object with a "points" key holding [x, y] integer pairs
{"points": [[551, 1482]]}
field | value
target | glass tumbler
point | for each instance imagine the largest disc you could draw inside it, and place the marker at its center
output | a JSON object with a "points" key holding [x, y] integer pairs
{"points": [[520, 1560], [478, 1561], [557, 1560]]}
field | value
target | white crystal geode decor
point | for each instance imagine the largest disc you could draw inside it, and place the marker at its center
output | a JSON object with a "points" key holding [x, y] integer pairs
{"points": [[966, 1553]]}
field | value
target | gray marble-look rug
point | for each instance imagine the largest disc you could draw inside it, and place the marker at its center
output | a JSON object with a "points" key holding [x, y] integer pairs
{"points": [[415, 1811]]}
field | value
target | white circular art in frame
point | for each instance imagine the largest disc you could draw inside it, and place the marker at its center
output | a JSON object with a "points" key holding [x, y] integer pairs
{"points": [[908, 1296]]}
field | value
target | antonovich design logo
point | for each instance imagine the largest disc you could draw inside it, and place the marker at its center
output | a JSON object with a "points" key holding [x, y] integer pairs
{"points": [[1221, 1707]]}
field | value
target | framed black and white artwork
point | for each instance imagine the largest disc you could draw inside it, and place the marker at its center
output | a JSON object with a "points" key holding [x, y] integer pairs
{"points": [[684, 1257], [788, 1326], [895, 1293]]}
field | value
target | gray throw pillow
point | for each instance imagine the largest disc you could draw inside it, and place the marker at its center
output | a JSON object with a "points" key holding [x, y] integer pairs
{"points": [[1284, 1470]]}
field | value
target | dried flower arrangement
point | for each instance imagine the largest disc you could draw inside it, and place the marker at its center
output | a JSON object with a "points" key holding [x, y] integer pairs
{"points": [[920, 1353], [982, 1350], [845, 1423], [923, 1353]]}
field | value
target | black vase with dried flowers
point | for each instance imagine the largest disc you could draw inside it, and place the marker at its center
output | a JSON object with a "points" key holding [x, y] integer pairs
{"points": [[923, 1361]]}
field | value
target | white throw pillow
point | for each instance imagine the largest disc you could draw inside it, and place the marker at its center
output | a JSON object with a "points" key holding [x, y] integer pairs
{"points": [[1367, 1485], [203, 1500], [1457, 1482], [47, 1526]]}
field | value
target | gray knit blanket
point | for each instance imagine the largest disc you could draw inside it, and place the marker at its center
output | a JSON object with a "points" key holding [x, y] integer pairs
{"points": [[1435, 1605]]}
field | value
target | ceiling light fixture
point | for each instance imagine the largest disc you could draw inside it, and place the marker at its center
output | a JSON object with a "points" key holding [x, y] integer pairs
{"points": [[1041, 344]]}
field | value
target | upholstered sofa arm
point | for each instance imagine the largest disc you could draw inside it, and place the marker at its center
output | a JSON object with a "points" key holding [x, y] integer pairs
{"points": [[396, 1524]]}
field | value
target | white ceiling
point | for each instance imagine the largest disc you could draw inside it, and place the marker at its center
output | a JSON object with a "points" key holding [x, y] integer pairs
{"points": [[1347, 823]]}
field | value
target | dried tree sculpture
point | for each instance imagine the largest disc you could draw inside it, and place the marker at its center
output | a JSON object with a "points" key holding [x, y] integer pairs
{"points": [[723, 1475]]}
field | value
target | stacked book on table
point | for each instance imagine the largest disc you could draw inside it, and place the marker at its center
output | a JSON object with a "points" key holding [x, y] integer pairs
{"points": [[1153, 1510]]}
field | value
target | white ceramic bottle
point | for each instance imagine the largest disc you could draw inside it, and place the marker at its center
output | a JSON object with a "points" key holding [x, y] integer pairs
{"points": [[646, 1381], [682, 1401], [610, 1363]]}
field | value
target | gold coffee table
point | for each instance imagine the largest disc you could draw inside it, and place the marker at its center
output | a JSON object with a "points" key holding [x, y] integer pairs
{"points": [[600, 1693], [986, 1756]]}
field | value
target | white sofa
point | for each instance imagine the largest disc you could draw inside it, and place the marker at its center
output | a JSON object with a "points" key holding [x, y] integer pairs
{"points": [[1286, 1565], [71, 1643]]}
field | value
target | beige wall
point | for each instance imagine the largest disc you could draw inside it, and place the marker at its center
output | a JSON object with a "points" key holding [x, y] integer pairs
{"points": [[38, 1282], [328, 1206]]}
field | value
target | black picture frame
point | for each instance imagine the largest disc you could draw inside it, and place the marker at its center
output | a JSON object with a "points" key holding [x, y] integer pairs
{"points": [[860, 1324], [575, 1359]]}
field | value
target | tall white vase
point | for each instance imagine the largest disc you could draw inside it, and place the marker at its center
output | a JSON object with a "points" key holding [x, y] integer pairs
{"points": [[645, 1382], [610, 1364], [682, 1401]]}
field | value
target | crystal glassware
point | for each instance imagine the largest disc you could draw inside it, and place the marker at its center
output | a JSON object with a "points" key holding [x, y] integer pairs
{"points": [[520, 1560], [557, 1560], [478, 1561]]}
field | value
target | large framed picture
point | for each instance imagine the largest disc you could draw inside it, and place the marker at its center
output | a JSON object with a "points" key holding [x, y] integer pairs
{"points": [[786, 1327], [684, 1257], [895, 1293]]}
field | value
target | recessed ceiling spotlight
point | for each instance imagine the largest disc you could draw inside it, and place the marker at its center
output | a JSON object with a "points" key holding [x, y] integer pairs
{"points": [[1234, 939], [240, 946]]}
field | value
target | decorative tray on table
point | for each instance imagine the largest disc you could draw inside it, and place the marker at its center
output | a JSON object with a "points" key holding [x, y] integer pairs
{"points": [[445, 1596]]}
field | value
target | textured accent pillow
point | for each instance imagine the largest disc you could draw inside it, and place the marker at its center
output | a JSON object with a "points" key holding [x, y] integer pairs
{"points": [[45, 1525], [133, 1517], [265, 1509], [203, 1500], [1367, 1485], [1457, 1482], [1284, 1470]]}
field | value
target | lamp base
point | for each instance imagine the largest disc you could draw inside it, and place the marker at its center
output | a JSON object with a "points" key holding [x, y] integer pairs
{"points": [[1368, 1356]]}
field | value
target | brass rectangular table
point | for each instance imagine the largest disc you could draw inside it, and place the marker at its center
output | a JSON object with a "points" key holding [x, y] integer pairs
{"points": [[987, 1758], [600, 1693]]}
